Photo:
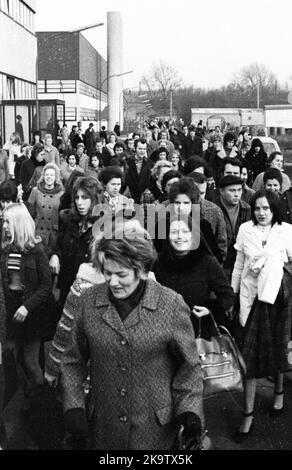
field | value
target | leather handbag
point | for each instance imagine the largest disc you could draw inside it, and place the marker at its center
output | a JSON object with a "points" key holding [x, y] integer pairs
{"points": [[221, 362]]}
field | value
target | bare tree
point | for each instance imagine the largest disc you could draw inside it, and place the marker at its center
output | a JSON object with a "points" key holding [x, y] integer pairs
{"points": [[255, 75], [161, 80]]}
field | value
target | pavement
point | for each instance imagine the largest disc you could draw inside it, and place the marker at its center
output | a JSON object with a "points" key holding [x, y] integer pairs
{"points": [[223, 417]]}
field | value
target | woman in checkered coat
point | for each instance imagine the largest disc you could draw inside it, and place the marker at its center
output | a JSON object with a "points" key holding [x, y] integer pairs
{"points": [[144, 366]]}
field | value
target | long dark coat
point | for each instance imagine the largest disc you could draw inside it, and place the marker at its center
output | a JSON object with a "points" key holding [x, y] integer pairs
{"points": [[195, 276], [72, 248], [36, 278], [144, 372]]}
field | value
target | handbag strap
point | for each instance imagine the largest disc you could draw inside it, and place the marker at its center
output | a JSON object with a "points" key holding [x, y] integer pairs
{"points": [[238, 353], [213, 320]]}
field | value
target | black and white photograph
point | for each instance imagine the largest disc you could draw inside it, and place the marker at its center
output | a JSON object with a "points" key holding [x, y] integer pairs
{"points": [[145, 228]]}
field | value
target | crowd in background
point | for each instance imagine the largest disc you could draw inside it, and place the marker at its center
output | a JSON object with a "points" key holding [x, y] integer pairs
{"points": [[53, 251]]}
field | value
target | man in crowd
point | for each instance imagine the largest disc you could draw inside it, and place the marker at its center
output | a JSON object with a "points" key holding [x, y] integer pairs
{"points": [[138, 175], [247, 192], [212, 213], [235, 212], [51, 152]]}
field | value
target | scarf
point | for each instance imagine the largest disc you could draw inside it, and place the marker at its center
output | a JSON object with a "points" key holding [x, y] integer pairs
{"points": [[126, 306]]}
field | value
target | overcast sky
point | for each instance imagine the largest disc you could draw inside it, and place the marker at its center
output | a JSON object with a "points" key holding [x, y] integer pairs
{"points": [[206, 41]]}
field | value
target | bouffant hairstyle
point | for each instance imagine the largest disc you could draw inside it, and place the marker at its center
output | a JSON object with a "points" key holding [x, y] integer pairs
{"points": [[192, 163], [274, 203], [8, 191], [119, 145], [228, 137], [74, 155], [51, 166], [272, 157], [273, 173], [184, 186], [169, 176], [109, 173], [132, 249], [37, 148]]}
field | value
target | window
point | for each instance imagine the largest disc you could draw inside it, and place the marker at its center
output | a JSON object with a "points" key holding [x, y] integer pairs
{"points": [[5, 6], [10, 88]]}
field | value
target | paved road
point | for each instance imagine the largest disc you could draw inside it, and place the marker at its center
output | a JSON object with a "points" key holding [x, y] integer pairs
{"points": [[223, 417]]}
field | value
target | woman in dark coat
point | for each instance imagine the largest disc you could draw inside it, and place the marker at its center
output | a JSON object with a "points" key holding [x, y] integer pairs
{"points": [[75, 237], [257, 159], [27, 287], [186, 266], [28, 167], [144, 367]]}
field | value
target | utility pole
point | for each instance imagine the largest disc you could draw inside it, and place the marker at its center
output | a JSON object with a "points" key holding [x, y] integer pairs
{"points": [[258, 92], [170, 106]]}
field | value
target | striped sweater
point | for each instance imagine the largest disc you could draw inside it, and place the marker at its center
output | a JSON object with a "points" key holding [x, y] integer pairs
{"points": [[86, 277]]}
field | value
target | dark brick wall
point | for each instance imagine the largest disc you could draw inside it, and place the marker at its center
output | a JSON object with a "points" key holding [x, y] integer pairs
{"points": [[58, 56], [67, 56]]}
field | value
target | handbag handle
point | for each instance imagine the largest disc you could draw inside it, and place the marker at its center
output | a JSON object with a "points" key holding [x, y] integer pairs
{"points": [[214, 322]]}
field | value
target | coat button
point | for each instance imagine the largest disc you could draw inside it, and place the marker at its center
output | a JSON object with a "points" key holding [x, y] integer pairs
{"points": [[123, 419], [123, 369], [123, 342], [123, 392]]}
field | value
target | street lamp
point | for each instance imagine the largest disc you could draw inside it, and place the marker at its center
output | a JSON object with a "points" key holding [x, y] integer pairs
{"points": [[59, 34], [100, 88]]}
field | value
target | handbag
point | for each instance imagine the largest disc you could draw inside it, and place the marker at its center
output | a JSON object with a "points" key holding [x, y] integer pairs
{"points": [[222, 364], [203, 443]]}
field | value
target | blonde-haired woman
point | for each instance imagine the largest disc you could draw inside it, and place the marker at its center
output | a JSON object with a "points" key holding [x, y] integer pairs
{"points": [[27, 287], [44, 202], [160, 168]]}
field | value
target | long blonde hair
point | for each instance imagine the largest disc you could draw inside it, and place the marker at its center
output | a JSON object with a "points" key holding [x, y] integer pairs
{"points": [[22, 228]]}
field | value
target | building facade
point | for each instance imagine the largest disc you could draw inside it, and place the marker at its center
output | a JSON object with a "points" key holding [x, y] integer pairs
{"points": [[70, 69], [18, 54]]}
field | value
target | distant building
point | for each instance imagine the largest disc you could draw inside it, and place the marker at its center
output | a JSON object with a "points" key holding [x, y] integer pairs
{"points": [[18, 54], [236, 117], [278, 118], [70, 69]]}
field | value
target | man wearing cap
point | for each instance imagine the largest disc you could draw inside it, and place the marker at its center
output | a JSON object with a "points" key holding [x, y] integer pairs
{"points": [[235, 212]]}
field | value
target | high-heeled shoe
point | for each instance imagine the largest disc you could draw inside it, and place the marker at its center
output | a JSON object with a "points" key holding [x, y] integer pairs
{"points": [[276, 412], [240, 436]]}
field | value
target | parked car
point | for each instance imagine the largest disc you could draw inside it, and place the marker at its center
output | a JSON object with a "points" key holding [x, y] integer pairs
{"points": [[270, 145]]}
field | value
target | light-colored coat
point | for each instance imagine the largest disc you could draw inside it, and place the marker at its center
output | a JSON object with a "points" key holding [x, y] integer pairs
{"points": [[144, 372], [269, 260]]}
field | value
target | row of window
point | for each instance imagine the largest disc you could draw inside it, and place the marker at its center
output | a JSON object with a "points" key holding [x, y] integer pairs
{"points": [[88, 90], [70, 114], [86, 114], [14, 89], [56, 86], [20, 12], [69, 86]]}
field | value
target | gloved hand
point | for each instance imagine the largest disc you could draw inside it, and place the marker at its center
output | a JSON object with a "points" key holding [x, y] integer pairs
{"points": [[192, 425], [75, 422]]}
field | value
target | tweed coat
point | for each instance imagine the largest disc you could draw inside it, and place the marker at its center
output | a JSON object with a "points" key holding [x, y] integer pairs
{"points": [[43, 206], [144, 372]]}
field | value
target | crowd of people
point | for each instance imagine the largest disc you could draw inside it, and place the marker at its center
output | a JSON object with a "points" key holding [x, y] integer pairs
{"points": [[200, 222]]}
